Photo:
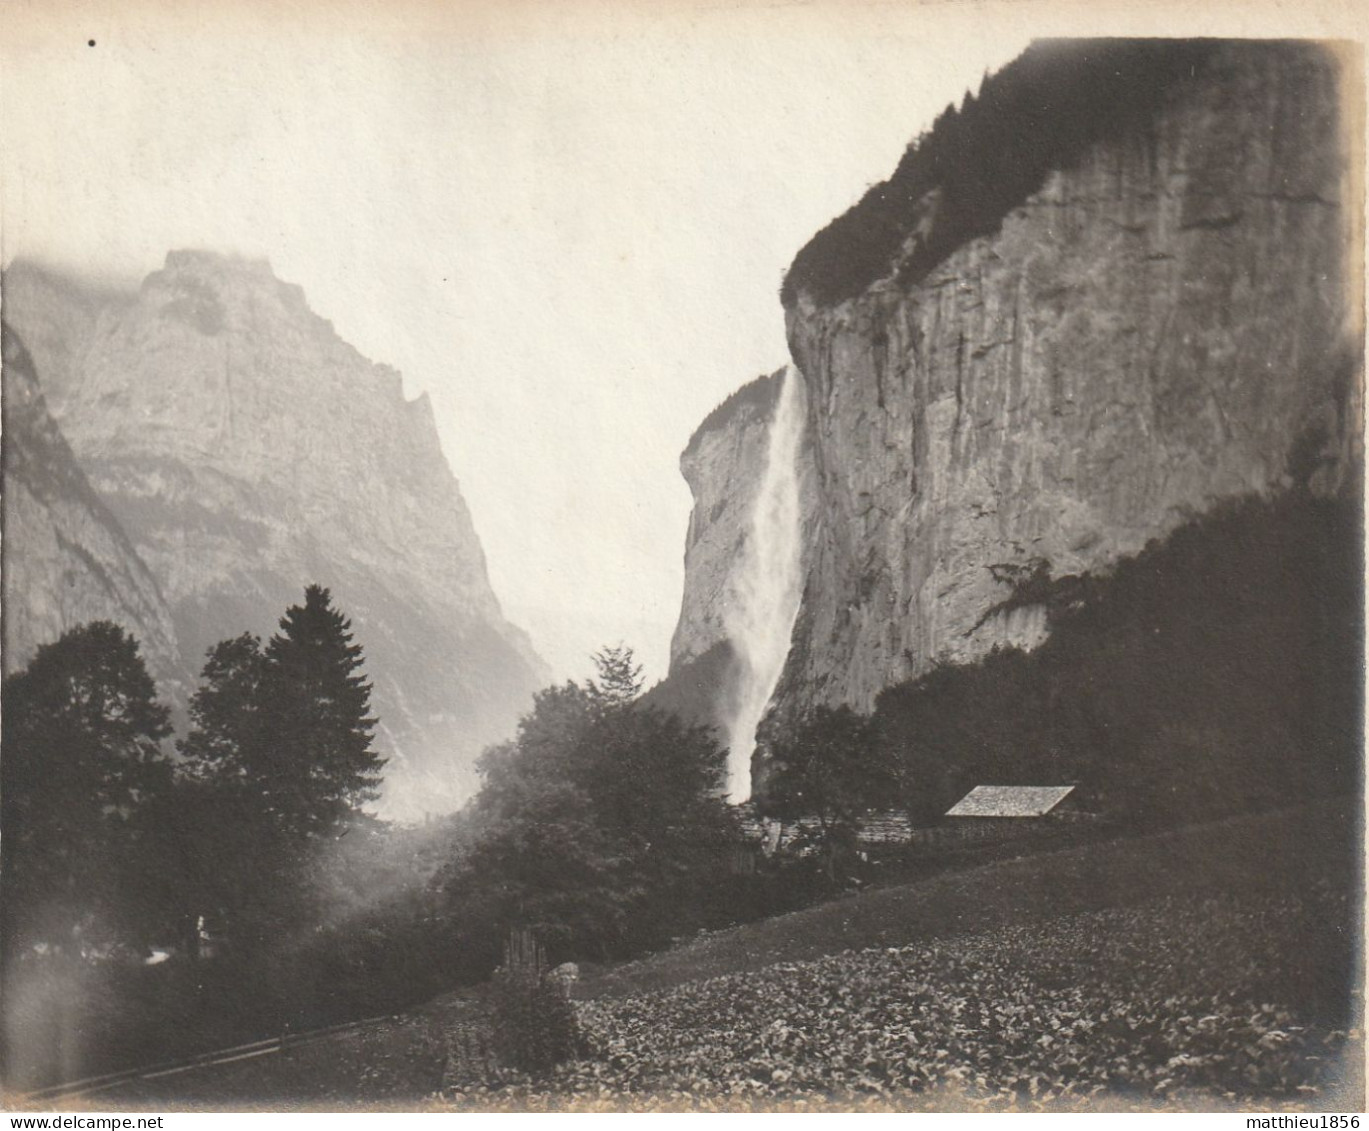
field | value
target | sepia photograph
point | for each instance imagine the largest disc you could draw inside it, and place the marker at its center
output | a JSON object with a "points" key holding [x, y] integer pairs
{"points": [[687, 557]]}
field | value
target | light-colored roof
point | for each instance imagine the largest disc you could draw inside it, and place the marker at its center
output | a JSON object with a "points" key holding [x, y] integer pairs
{"points": [[1010, 801]]}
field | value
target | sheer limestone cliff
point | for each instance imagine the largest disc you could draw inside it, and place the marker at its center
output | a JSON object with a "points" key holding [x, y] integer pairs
{"points": [[248, 451], [1018, 372]]}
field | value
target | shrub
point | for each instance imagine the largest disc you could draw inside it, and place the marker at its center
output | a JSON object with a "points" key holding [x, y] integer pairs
{"points": [[535, 1026]]}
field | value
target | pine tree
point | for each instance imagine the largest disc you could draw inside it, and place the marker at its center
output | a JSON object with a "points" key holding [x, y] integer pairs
{"points": [[279, 756], [620, 677], [320, 768]]}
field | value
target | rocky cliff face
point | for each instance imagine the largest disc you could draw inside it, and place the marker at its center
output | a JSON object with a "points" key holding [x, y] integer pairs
{"points": [[1039, 380], [66, 560], [723, 465], [248, 451]]}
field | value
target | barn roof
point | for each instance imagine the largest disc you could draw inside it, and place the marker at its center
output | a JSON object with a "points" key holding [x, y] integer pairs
{"points": [[1010, 801]]}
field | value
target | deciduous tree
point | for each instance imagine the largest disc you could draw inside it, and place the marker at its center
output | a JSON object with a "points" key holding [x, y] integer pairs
{"points": [[828, 769], [83, 764], [600, 825]]}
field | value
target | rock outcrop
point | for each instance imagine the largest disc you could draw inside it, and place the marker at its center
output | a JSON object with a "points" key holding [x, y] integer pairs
{"points": [[248, 451], [1024, 372], [723, 464]]}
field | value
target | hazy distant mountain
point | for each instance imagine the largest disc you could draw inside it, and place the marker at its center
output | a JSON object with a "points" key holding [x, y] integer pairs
{"points": [[248, 451]]}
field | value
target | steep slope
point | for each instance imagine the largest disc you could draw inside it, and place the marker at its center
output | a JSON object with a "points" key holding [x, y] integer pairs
{"points": [[1105, 295], [248, 451], [66, 560]]}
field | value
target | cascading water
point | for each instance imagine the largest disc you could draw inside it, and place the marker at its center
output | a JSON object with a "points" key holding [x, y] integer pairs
{"points": [[765, 595]]}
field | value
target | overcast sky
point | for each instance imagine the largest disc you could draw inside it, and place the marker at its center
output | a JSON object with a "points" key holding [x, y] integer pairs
{"points": [[568, 223]]}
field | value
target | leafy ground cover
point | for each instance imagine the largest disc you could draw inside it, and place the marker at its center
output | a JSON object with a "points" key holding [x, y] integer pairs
{"points": [[1167, 1003], [1199, 967]]}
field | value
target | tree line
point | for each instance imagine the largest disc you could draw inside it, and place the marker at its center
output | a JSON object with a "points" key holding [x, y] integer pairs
{"points": [[1210, 674], [601, 828], [110, 840], [1213, 673]]}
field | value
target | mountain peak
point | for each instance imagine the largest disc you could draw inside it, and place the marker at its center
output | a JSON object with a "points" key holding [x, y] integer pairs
{"points": [[206, 260]]}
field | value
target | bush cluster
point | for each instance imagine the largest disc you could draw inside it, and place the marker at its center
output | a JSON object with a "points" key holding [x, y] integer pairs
{"points": [[535, 1024]]}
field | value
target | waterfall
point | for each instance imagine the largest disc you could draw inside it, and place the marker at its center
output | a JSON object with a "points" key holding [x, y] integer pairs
{"points": [[768, 584]]}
